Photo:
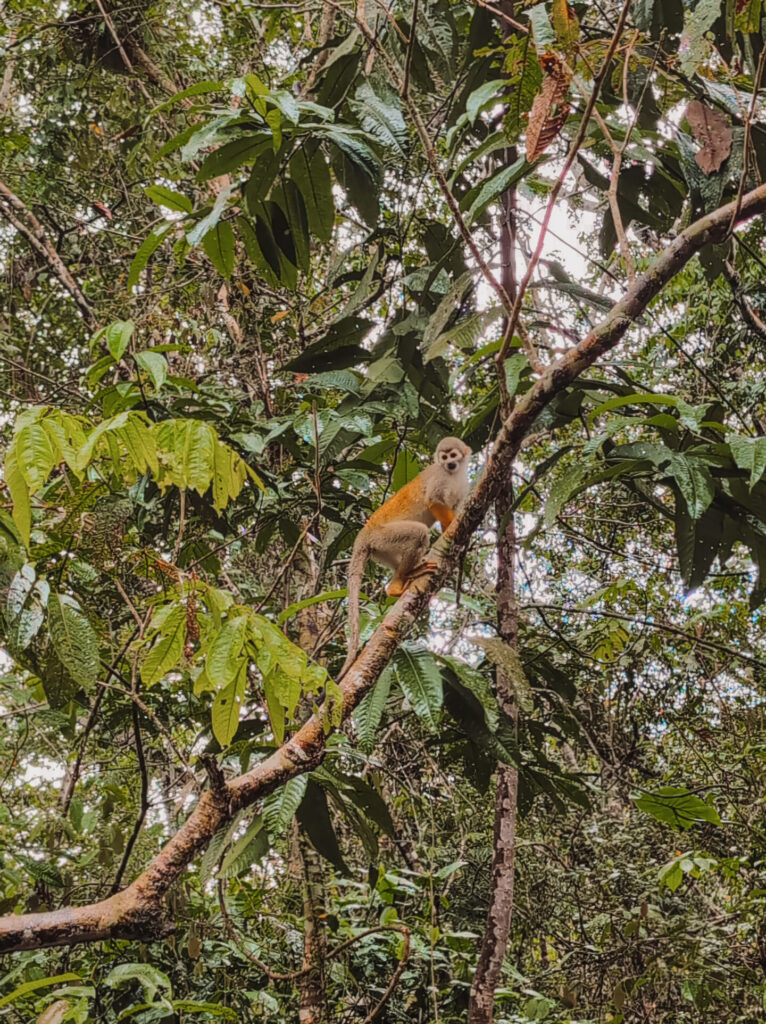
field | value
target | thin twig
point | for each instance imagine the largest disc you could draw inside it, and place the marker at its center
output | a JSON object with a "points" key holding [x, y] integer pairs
{"points": [[144, 800], [286, 565], [660, 626], [558, 185], [748, 133], [515, 25]]}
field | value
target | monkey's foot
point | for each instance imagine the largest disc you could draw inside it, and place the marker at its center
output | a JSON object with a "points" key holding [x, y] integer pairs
{"points": [[424, 569], [397, 586]]}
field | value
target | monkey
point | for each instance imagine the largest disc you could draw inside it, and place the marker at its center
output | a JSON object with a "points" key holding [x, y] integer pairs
{"points": [[398, 534]]}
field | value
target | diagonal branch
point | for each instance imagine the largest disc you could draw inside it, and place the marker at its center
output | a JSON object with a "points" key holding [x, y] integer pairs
{"points": [[25, 222], [136, 912]]}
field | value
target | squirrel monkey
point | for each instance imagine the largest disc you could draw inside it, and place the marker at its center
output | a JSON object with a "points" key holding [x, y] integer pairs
{"points": [[398, 534]]}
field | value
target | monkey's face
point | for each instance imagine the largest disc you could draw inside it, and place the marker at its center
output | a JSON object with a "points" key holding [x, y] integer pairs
{"points": [[451, 454]]}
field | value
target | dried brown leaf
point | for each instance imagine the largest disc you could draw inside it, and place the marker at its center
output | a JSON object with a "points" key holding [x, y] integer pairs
{"points": [[712, 130], [549, 111]]}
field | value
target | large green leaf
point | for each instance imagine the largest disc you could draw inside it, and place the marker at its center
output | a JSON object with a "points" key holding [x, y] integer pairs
{"points": [[279, 807], [420, 679], [694, 482], [677, 806], [369, 713], [168, 646], [224, 659], [251, 847], [227, 706], [312, 176], [749, 454], [381, 116], [74, 639], [218, 244]]}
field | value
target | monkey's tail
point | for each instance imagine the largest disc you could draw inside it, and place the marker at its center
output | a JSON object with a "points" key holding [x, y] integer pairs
{"points": [[359, 557]]}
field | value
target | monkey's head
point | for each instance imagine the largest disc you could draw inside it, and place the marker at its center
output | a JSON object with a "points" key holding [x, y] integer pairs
{"points": [[451, 454]]}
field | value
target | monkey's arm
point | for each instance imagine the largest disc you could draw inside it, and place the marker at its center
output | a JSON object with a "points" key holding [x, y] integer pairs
{"points": [[444, 515]]}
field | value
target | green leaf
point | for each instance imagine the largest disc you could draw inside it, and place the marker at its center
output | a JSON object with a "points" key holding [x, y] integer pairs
{"points": [[279, 807], [184, 1006], [249, 849], [750, 454], [250, 239], [525, 79], [694, 482], [508, 661], [224, 659], [35, 454], [219, 247], [74, 640], [232, 155], [748, 16], [155, 364], [381, 117], [563, 489], [168, 198], [152, 980], [195, 235], [420, 679], [488, 191], [566, 25], [118, 337], [140, 444], [227, 707], [487, 95], [671, 875], [192, 90], [168, 647], [446, 308], [147, 247], [694, 48], [513, 369], [34, 986], [314, 816], [293, 609], [676, 806], [312, 176], [406, 468], [542, 29], [185, 450], [698, 542], [370, 711], [19, 491], [297, 218]]}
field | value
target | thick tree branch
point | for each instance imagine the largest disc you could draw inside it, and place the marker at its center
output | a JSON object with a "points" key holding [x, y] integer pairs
{"points": [[136, 912]]}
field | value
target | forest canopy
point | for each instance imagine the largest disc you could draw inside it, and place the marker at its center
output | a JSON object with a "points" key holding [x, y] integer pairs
{"points": [[256, 261]]}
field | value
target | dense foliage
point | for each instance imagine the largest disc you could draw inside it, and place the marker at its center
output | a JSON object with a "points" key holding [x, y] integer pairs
{"points": [[250, 277]]}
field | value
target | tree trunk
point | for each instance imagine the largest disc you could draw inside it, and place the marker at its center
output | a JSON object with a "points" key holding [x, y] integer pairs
{"points": [[497, 929], [312, 986]]}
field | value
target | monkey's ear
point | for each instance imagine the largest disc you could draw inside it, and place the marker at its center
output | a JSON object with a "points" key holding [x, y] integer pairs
{"points": [[466, 449]]}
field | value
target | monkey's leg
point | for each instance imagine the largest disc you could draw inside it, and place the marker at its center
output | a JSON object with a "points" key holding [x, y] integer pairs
{"points": [[402, 546]]}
